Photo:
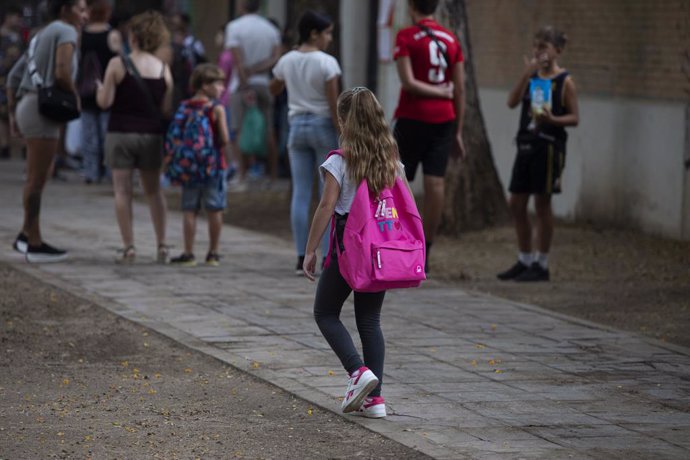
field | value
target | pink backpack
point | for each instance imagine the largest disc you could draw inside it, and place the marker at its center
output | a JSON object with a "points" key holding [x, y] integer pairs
{"points": [[383, 240]]}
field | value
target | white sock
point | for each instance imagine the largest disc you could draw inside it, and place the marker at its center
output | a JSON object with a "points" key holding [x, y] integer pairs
{"points": [[525, 258], [542, 259]]}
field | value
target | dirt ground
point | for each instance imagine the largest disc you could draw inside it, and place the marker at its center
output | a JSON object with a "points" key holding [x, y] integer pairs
{"points": [[614, 277], [79, 382]]}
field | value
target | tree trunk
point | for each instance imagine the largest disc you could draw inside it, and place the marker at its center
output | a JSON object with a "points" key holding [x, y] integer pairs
{"points": [[475, 198]]}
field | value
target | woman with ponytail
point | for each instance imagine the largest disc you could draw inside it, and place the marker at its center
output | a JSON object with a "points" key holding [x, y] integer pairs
{"points": [[311, 77]]}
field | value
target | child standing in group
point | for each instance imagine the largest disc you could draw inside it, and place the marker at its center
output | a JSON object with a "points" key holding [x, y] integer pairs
{"points": [[368, 152], [197, 156], [549, 104]]}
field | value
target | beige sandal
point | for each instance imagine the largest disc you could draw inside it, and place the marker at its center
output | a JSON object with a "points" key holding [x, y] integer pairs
{"points": [[128, 255], [162, 255]]}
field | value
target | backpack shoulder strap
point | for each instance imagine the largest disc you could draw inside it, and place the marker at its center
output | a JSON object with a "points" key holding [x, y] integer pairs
{"points": [[442, 47]]}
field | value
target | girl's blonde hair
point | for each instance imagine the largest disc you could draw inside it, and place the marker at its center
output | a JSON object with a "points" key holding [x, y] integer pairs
{"points": [[369, 148], [149, 31]]}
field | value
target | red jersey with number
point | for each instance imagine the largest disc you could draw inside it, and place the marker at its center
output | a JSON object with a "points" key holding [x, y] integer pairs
{"points": [[429, 65]]}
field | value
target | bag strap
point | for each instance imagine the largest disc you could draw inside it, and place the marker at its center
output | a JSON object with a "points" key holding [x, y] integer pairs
{"points": [[442, 47], [132, 70], [36, 77]]}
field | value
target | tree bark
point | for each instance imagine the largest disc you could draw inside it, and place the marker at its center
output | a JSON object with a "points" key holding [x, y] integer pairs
{"points": [[475, 198]]}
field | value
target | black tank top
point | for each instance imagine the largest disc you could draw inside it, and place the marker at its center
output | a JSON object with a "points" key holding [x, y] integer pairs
{"points": [[547, 132], [95, 45], [131, 111]]}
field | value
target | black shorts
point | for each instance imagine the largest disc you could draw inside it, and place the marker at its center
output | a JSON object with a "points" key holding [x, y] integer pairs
{"points": [[538, 167], [428, 143]]}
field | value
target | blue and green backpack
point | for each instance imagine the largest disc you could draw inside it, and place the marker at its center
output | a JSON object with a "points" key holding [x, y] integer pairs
{"points": [[191, 155]]}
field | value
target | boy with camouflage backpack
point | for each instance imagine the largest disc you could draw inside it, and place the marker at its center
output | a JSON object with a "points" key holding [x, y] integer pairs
{"points": [[196, 158]]}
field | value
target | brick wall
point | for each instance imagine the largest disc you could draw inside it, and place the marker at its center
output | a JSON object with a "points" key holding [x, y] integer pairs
{"points": [[624, 48]]}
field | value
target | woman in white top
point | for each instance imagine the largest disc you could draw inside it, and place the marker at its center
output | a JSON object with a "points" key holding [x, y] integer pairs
{"points": [[312, 80]]}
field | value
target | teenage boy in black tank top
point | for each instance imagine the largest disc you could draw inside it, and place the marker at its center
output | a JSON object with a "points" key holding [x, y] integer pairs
{"points": [[540, 159]]}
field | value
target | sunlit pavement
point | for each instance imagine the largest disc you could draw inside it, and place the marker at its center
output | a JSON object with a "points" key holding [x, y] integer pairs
{"points": [[467, 375]]}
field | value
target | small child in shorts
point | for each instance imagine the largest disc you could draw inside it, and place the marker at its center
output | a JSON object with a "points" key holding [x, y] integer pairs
{"points": [[197, 156]]}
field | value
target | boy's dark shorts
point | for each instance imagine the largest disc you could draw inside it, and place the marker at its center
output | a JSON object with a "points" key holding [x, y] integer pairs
{"points": [[538, 167], [428, 143]]}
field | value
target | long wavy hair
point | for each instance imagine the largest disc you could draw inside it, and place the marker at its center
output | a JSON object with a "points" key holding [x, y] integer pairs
{"points": [[369, 148]]}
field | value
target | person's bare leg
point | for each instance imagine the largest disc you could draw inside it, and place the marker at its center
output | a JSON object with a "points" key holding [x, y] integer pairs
{"points": [[215, 226], [122, 186], [39, 157], [189, 231], [523, 228], [433, 205], [542, 204], [150, 181]]}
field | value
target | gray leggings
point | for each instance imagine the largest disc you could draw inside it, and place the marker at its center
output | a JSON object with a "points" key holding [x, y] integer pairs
{"points": [[331, 293]]}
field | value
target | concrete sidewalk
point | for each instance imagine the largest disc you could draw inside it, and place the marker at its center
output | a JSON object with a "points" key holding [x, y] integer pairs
{"points": [[467, 375]]}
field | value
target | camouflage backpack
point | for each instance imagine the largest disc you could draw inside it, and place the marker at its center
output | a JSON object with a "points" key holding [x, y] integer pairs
{"points": [[191, 155]]}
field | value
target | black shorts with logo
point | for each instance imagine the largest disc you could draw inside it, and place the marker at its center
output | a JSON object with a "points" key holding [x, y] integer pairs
{"points": [[538, 167], [428, 143]]}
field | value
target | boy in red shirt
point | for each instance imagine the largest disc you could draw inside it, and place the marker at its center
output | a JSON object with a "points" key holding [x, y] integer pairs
{"points": [[430, 111]]}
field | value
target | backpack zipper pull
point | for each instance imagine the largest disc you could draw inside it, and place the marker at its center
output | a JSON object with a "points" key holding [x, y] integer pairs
{"points": [[378, 257]]}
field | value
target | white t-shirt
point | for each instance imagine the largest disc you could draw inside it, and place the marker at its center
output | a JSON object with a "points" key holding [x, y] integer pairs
{"points": [[337, 166], [305, 74], [257, 38]]}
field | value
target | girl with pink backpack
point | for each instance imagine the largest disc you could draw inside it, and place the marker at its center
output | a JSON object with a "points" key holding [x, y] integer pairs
{"points": [[368, 159]]}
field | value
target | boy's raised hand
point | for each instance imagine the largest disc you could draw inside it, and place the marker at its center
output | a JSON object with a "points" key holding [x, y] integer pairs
{"points": [[531, 65]]}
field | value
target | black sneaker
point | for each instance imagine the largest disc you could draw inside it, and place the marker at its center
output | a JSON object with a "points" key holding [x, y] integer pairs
{"points": [[44, 253], [184, 259], [516, 270], [21, 243], [298, 268], [534, 273], [212, 259]]}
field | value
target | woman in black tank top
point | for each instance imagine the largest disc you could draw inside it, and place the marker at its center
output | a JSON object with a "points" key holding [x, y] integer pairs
{"points": [[137, 97]]}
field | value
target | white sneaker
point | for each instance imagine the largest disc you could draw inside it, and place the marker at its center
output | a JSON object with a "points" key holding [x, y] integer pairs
{"points": [[372, 407], [361, 383], [21, 243]]}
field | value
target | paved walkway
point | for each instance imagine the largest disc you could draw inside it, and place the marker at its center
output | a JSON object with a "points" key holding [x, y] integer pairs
{"points": [[467, 375]]}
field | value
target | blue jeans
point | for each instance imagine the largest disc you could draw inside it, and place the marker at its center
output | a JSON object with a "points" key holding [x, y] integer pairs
{"points": [[94, 124], [212, 196], [310, 139]]}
